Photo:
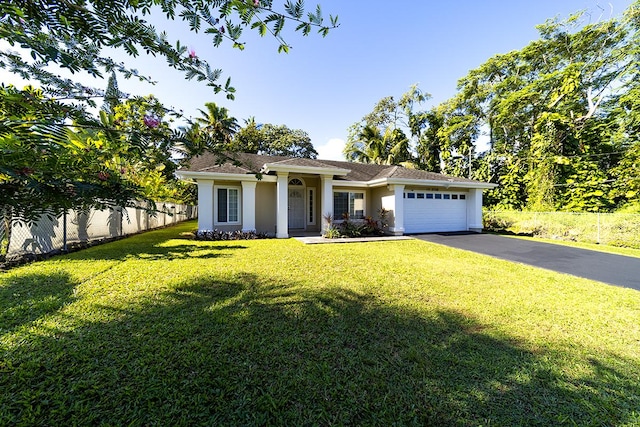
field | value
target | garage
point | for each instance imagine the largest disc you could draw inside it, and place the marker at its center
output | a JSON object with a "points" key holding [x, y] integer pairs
{"points": [[435, 211]]}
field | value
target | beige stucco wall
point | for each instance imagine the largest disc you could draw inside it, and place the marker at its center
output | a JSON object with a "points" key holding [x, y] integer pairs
{"points": [[266, 207], [376, 200], [385, 198]]}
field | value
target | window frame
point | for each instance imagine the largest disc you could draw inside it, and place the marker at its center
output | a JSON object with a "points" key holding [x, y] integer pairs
{"points": [[217, 221], [351, 215], [311, 205]]}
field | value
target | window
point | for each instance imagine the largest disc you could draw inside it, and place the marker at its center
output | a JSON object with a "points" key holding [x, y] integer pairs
{"points": [[429, 195], [420, 195], [296, 181], [438, 196], [348, 202], [447, 196], [311, 198], [454, 196], [462, 197], [411, 195], [228, 205]]}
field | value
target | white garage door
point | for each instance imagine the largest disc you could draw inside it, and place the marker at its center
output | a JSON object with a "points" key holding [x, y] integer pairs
{"points": [[428, 212]]}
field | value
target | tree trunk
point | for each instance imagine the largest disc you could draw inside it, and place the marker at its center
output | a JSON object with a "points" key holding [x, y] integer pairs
{"points": [[5, 232]]}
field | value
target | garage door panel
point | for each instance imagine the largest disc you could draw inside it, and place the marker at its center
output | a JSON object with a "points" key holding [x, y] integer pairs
{"points": [[434, 215]]}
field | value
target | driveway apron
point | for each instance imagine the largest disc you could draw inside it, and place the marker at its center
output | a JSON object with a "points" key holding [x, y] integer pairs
{"points": [[608, 268]]}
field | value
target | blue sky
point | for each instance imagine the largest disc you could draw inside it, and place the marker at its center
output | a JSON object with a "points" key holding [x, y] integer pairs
{"points": [[381, 48]]}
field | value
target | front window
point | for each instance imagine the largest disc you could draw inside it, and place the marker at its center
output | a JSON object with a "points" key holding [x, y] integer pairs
{"points": [[227, 205], [348, 202]]}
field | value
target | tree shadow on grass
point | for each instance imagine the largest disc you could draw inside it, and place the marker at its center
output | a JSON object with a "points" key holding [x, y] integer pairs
{"points": [[131, 249], [26, 298], [249, 350]]}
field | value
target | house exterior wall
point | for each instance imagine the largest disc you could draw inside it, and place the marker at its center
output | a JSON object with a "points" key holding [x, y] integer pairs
{"points": [[393, 202], [266, 207], [474, 210], [378, 202], [388, 201]]}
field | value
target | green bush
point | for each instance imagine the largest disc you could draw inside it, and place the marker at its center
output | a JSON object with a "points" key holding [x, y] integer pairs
{"points": [[615, 229]]}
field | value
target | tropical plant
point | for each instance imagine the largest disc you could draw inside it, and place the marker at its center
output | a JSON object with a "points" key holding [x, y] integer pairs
{"points": [[372, 146], [559, 115], [55, 153], [217, 124], [381, 136]]}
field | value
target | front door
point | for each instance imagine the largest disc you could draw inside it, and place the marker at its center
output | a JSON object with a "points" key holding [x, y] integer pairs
{"points": [[296, 208]]}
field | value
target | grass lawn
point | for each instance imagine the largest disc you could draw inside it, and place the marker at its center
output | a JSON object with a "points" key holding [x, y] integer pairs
{"points": [[161, 330]]}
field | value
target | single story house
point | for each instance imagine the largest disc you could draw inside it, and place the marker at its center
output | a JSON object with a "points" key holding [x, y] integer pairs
{"points": [[283, 195]]}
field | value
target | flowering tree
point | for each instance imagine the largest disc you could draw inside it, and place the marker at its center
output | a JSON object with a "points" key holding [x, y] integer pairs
{"points": [[54, 154]]}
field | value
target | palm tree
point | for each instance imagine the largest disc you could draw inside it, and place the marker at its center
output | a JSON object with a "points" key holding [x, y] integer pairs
{"points": [[367, 148], [371, 146], [217, 124]]}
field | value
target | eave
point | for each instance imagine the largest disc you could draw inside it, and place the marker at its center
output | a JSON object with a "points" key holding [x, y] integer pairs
{"points": [[313, 170], [217, 176]]}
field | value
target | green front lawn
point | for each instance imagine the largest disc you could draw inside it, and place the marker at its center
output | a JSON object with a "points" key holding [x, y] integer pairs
{"points": [[161, 330]]}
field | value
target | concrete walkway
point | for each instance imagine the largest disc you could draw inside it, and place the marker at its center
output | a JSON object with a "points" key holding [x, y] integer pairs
{"points": [[318, 240], [608, 268]]}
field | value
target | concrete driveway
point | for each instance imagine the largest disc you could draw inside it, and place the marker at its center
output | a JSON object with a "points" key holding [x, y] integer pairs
{"points": [[614, 269]]}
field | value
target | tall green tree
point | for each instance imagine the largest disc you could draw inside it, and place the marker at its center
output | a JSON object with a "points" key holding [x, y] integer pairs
{"points": [[273, 140], [430, 142], [112, 95], [381, 135], [551, 111]]}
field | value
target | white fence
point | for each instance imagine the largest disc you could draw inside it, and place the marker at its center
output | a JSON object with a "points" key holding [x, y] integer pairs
{"points": [[76, 227], [615, 229]]}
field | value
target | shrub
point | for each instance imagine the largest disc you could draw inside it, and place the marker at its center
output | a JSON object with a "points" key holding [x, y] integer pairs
{"points": [[358, 228], [216, 234]]}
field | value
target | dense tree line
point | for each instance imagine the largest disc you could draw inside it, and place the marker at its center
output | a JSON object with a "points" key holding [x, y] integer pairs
{"points": [[561, 117]]}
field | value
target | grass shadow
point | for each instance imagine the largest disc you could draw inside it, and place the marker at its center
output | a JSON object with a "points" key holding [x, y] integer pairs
{"points": [[29, 297], [251, 350], [151, 248]]}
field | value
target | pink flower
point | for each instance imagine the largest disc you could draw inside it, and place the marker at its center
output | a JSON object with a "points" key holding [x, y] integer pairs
{"points": [[256, 3], [151, 121], [192, 53], [222, 29], [103, 176]]}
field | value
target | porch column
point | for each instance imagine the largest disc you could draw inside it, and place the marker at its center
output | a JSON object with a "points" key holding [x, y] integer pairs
{"points": [[205, 204], [474, 210], [282, 196], [249, 205], [398, 210], [326, 206]]}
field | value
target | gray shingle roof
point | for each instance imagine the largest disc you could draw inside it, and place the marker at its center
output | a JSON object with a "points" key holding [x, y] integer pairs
{"points": [[245, 163]]}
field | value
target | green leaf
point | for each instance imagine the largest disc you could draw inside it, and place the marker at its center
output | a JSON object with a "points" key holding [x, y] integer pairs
{"points": [[283, 48]]}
